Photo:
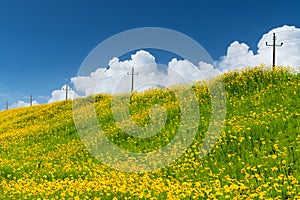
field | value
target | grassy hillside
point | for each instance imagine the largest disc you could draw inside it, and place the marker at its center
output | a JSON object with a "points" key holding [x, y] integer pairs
{"points": [[256, 157]]}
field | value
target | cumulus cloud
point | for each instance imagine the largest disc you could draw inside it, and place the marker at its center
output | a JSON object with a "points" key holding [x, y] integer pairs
{"points": [[22, 104], [239, 54], [59, 95], [149, 74]]}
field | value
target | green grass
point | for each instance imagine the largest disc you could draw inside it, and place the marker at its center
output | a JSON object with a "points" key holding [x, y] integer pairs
{"points": [[256, 156]]}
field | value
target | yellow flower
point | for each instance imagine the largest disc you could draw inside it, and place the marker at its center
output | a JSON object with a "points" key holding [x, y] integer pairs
{"points": [[274, 168]]}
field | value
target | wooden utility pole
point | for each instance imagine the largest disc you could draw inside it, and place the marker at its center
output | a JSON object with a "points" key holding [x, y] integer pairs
{"points": [[6, 105], [66, 89], [274, 45], [30, 100], [132, 78]]}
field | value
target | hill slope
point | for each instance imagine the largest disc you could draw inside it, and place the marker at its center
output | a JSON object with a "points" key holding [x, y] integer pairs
{"points": [[257, 155]]}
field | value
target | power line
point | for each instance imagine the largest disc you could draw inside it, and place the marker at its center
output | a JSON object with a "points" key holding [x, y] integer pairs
{"points": [[274, 45]]}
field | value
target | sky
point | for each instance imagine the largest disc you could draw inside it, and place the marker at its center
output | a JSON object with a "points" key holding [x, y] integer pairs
{"points": [[43, 43]]}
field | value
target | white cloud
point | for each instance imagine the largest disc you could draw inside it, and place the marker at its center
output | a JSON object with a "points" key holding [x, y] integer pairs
{"points": [[85, 84], [117, 78], [239, 54], [22, 104], [59, 95]]}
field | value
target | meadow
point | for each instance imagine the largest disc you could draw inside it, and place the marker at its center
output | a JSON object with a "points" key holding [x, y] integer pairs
{"points": [[257, 155]]}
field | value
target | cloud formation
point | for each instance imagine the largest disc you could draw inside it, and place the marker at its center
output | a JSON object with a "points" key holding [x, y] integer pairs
{"points": [[59, 95], [22, 104], [149, 73], [239, 55]]}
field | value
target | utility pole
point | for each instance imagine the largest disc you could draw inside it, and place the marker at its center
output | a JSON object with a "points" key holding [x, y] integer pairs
{"points": [[274, 45], [132, 78], [30, 100], [6, 105], [67, 88]]}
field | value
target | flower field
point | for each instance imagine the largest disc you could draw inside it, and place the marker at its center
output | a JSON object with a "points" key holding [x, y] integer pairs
{"points": [[256, 157]]}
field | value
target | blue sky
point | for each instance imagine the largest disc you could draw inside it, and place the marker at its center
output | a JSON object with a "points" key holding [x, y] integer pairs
{"points": [[43, 43]]}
